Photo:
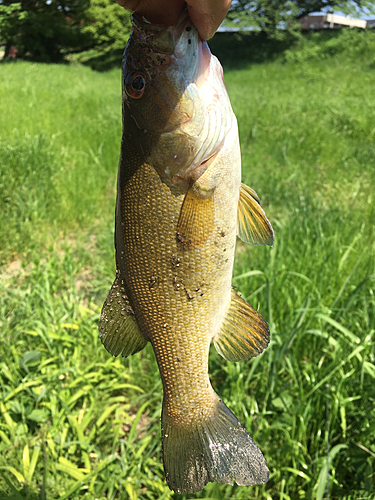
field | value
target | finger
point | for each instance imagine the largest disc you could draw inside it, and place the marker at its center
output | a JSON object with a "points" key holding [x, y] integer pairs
{"points": [[129, 4], [164, 12], [207, 15]]}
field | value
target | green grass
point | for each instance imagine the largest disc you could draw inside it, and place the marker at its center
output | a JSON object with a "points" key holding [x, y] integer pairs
{"points": [[77, 423]]}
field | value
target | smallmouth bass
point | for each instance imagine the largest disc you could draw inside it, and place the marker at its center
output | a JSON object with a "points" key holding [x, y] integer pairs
{"points": [[180, 205]]}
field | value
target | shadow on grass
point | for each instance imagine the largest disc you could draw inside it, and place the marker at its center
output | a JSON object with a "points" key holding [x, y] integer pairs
{"points": [[238, 50], [101, 61], [234, 50], [22, 494]]}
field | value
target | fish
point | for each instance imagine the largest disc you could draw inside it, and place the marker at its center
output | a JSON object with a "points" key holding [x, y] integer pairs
{"points": [[180, 206]]}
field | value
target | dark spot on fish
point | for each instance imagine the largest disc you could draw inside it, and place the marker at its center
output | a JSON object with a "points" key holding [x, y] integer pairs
{"points": [[182, 240], [175, 284], [222, 234], [179, 360], [152, 281], [179, 237], [224, 250], [188, 28], [175, 261], [201, 294], [189, 41]]}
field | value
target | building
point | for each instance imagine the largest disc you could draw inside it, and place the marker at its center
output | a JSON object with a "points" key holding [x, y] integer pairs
{"points": [[331, 21]]}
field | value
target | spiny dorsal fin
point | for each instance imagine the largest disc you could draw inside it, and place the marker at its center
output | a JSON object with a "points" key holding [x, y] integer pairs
{"points": [[196, 220], [118, 328], [253, 225], [244, 332]]}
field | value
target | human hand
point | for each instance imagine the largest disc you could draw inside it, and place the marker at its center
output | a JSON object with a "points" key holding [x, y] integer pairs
{"points": [[207, 15]]}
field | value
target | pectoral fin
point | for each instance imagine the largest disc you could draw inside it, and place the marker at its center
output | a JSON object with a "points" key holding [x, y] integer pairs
{"points": [[244, 332], [196, 220], [253, 225], [118, 328]]}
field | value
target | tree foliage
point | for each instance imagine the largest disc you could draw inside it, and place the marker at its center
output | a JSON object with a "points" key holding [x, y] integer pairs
{"points": [[46, 30], [278, 17], [11, 17], [43, 30], [107, 24]]}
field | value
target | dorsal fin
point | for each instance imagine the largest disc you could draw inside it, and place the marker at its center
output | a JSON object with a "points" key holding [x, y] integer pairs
{"points": [[118, 328], [244, 332], [253, 225]]}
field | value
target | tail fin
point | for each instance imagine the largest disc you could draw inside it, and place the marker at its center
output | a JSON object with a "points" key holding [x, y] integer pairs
{"points": [[218, 449]]}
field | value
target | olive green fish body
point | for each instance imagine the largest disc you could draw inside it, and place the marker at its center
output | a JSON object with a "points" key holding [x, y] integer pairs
{"points": [[179, 294], [180, 206]]}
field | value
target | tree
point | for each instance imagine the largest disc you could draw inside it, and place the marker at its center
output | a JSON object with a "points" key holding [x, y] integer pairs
{"points": [[46, 30], [43, 30], [11, 17], [107, 24], [279, 17]]}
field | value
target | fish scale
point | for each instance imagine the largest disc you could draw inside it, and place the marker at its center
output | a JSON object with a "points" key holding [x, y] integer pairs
{"points": [[149, 249], [180, 205]]}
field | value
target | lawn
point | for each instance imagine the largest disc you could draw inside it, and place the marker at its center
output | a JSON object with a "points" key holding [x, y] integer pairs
{"points": [[76, 423]]}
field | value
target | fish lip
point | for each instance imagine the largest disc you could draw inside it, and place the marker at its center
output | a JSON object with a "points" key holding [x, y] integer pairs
{"points": [[165, 38], [142, 23], [160, 38]]}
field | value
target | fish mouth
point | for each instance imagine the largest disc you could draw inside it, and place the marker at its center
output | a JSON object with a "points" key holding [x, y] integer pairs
{"points": [[180, 43], [204, 59], [164, 40], [209, 122], [159, 38], [202, 116]]}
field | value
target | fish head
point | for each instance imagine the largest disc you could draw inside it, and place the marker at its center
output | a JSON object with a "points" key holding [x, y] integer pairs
{"points": [[174, 96], [159, 63]]}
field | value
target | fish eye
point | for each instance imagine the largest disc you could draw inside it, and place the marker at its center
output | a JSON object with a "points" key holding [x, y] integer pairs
{"points": [[136, 84]]}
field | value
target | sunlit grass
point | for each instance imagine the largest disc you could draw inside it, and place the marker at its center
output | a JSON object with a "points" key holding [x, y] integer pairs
{"points": [[77, 423]]}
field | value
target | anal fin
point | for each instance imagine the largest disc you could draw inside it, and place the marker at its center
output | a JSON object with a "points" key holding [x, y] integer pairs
{"points": [[253, 225], [244, 333], [118, 328]]}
